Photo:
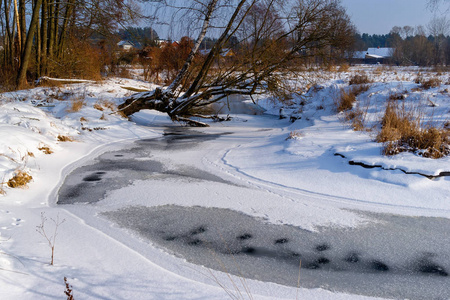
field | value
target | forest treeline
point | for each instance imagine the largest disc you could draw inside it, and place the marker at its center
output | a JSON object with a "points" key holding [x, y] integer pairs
{"points": [[79, 39]]}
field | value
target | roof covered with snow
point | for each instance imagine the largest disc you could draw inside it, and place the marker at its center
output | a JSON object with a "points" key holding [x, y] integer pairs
{"points": [[380, 52]]}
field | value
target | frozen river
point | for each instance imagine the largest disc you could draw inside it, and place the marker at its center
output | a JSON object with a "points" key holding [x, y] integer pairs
{"points": [[391, 256]]}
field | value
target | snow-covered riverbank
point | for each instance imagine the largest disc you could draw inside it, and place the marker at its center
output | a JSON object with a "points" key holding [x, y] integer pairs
{"points": [[315, 188]]}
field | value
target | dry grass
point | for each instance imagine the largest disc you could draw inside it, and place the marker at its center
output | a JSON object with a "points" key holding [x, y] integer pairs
{"points": [[402, 131], [359, 79], [346, 101], [357, 117], [294, 135], [348, 98], [46, 149], [399, 96], [19, 180], [101, 105], [76, 105], [64, 138], [430, 83], [344, 68]]}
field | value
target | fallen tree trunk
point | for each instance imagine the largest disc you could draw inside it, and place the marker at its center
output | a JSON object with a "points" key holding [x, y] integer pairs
{"points": [[268, 54]]}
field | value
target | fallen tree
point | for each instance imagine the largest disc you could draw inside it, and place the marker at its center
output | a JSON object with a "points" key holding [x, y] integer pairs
{"points": [[273, 40]]}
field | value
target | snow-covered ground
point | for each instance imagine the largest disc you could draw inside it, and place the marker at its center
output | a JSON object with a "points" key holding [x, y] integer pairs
{"points": [[308, 173]]}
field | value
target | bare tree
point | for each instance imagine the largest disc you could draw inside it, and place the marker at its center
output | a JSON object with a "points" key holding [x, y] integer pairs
{"points": [[271, 39], [435, 4], [439, 28]]}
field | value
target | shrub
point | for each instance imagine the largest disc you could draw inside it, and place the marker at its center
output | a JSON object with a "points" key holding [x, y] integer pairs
{"points": [[51, 239]]}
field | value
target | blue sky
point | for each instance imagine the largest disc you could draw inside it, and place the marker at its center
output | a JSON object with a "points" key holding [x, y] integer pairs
{"points": [[369, 16], [379, 16]]}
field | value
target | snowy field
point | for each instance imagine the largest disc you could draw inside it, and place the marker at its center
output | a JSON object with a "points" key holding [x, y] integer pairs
{"points": [[270, 170]]}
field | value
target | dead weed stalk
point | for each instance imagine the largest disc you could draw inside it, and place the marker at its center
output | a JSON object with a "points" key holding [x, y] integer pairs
{"points": [[51, 239]]}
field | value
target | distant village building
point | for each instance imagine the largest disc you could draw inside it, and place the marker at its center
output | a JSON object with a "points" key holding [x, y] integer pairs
{"points": [[125, 45], [377, 55], [160, 42], [226, 52]]}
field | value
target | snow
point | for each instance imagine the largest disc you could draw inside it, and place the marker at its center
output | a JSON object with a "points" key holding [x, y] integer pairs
{"points": [[304, 181]]}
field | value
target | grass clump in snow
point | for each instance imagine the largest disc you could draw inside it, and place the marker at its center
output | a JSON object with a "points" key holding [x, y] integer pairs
{"points": [[357, 118], [348, 98], [294, 135], [359, 79], [402, 131], [76, 105], [432, 82], [46, 149], [20, 179], [101, 105], [65, 138]]}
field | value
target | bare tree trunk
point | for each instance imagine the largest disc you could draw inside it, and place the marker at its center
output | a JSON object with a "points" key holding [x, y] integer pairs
{"points": [[23, 24], [9, 38], [266, 53], [51, 29], [44, 29], [19, 32], [211, 7], [38, 47], [21, 77], [62, 36], [55, 26]]}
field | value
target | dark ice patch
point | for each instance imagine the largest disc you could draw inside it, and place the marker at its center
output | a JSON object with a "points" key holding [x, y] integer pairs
{"points": [[281, 241], [245, 236], [432, 268], [352, 258], [92, 178], [379, 266], [322, 247]]}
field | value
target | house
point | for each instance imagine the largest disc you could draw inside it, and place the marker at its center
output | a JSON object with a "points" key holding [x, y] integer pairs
{"points": [[226, 52], [371, 56], [378, 55], [161, 42], [125, 45]]}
